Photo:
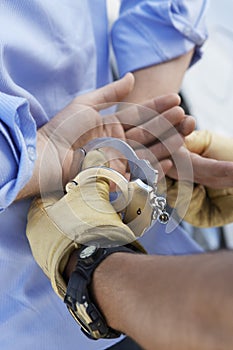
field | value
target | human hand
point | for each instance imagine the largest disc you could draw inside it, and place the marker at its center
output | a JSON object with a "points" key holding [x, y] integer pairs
{"points": [[72, 128], [81, 216], [155, 129], [212, 159], [59, 140], [211, 200], [80, 122], [205, 207]]}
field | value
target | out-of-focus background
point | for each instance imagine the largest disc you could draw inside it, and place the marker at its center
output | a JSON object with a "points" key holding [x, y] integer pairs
{"points": [[208, 92], [208, 85]]}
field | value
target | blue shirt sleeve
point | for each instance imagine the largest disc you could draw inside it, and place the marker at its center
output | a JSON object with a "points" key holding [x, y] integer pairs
{"points": [[149, 32], [17, 147]]}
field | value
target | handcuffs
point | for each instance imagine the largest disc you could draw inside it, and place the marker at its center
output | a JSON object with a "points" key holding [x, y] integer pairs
{"points": [[138, 203], [139, 206]]}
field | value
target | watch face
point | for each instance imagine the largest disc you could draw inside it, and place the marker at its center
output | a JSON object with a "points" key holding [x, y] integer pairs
{"points": [[88, 251]]}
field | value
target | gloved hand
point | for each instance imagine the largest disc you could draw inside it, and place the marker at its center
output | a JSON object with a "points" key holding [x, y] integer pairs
{"points": [[58, 223], [210, 145], [208, 207]]}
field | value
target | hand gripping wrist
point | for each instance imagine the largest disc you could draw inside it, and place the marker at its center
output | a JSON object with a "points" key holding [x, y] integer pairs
{"points": [[58, 224], [207, 207], [79, 299]]}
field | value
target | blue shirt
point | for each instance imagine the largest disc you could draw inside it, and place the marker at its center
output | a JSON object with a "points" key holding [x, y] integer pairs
{"points": [[51, 51]]}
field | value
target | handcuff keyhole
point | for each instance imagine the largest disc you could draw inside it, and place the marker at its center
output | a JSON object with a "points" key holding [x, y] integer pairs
{"points": [[139, 211]]}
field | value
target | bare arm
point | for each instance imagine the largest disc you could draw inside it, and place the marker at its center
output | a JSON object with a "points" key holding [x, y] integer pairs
{"points": [[159, 79], [167, 77], [182, 303]]}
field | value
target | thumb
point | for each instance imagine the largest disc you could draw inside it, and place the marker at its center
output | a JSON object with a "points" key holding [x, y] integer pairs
{"points": [[109, 94], [210, 145], [198, 141]]}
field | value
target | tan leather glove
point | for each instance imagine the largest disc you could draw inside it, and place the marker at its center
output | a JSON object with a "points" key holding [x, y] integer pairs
{"points": [[210, 145], [208, 207], [58, 223]]}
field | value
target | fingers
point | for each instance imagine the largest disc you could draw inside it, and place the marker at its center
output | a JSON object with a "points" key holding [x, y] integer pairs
{"points": [[109, 94], [133, 114], [207, 172], [210, 145], [198, 141], [212, 173], [164, 166], [187, 126], [155, 128], [160, 150], [163, 103]]}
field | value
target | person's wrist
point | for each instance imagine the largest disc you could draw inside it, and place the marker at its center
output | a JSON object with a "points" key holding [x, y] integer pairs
{"points": [[102, 290], [49, 165], [58, 162], [107, 278], [79, 293]]}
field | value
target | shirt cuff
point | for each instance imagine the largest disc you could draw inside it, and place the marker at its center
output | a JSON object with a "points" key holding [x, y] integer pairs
{"points": [[18, 147], [151, 32]]}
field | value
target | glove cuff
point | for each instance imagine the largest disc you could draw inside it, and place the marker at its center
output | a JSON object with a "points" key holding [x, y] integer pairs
{"points": [[50, 247]]}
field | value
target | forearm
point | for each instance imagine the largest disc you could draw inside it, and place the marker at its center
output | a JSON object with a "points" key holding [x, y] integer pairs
{"points": [[159, 79], [175, 302]]}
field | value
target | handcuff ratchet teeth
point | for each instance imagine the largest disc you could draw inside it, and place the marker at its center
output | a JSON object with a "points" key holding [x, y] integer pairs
{"points": [[144, 206]]}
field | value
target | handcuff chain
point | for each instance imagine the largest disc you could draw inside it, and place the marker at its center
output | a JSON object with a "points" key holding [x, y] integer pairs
{"points": [[158, 205]]}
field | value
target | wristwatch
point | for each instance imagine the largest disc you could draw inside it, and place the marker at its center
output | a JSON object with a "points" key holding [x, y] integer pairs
{"points": [[78, 296]]}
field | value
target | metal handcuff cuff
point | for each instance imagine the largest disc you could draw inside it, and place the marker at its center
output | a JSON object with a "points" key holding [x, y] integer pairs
{"points": [[140, 200], [139, 206]]}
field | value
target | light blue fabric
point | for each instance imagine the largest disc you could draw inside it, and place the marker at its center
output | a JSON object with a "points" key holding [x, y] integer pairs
{"points": [[177, 242], [156, 31], [51, 51], [18, 151]]}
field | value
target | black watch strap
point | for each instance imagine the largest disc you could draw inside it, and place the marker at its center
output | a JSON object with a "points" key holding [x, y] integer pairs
{"points": [[78, 296]]}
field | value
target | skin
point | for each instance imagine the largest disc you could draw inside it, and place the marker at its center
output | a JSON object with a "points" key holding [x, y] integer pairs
{"points": [[178, 289], [160, 79], [180, 302], [167, 77], [209, 172], [58, 144], [175, 306]]}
